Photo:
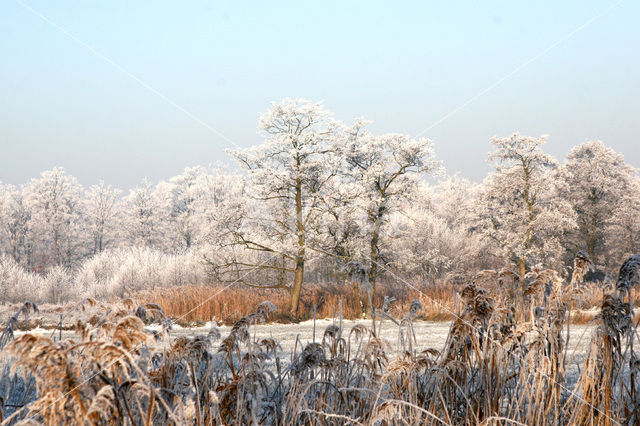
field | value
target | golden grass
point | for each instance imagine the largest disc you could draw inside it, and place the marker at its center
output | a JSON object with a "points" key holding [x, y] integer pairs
{"points": [[200, 303], [229, 305]]}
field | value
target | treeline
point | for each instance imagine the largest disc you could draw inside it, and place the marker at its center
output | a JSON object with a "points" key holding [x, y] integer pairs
{"points": [[317, 201]]}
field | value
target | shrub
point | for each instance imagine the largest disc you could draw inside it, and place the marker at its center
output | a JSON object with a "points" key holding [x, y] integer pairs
{"points": [[16, 283]]}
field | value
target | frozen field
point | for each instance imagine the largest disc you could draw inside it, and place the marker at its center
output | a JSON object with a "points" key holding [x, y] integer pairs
{"points": [[428, 335]]}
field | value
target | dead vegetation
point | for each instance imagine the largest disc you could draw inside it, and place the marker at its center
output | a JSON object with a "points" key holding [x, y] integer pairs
{"points": [[200, 303], [504, 362]]}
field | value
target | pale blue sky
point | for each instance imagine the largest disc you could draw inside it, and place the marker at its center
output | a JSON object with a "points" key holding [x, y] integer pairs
{"points": [[402, 64]]}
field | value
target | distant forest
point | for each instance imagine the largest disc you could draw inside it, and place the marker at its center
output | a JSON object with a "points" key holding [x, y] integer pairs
{"points": [[318, 200]]}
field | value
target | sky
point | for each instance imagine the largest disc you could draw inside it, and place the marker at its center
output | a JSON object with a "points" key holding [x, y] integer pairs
{"points": [[123, 90]]}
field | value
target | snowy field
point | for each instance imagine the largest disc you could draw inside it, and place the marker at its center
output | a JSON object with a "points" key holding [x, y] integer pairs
{"points": [[429, 335]]}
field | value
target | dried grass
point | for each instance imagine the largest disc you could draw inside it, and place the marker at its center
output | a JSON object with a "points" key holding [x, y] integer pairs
{"points": [[504, 362], [237, 301]]}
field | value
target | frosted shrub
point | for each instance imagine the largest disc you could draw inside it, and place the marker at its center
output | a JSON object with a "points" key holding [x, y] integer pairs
{"points": [[94, 273], [17, 284], [58, 286], [183, 269], [122, 272], [112, 273]]}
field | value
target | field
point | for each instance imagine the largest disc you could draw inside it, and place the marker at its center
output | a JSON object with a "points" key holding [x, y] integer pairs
{"points": [[429, 335], [505, 358]]}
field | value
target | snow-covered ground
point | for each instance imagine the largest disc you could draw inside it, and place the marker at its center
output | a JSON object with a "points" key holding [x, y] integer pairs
{"points": [[428, 335]]}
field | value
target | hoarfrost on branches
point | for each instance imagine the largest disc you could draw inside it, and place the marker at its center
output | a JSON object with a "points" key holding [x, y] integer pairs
{"points": [[315, 196], [603, 191], [520, 209]]}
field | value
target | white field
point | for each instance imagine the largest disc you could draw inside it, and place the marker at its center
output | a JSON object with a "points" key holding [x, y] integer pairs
{"points": [[428, 335]]}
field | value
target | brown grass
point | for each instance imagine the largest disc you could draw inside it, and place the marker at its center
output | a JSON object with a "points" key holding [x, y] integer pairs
{"points": [[186, 302], [194, 304]]}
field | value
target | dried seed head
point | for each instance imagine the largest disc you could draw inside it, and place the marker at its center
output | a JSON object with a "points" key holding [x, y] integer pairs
{"points": [[415, 307], [629, 275]]}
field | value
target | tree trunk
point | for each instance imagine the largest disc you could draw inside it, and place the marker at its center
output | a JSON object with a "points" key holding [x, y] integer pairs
{"points": [[373, 257], [522, 270], [529, 200], [298, 276], [296, 290], [57, 251], [592, 241], [591, 250]]}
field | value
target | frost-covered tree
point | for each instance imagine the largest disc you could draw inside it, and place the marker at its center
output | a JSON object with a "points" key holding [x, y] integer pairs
{"points": [[427, 247], [287, 178], [453, 199], [141, 218], [385, 170], [101, 214], [434, 237], [15, 238], [519, 208], [623, 227], [178, 198], [597, 180], [55, 203], [221, 206], [341, 231]]}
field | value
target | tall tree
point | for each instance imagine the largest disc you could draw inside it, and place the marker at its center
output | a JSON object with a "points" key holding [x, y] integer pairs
{"points": [[386, 170], [519, 209], [178, 198], [220, 205], [623, 228], [341, 231], [141, 218], [55, 203], [101, 213], [287, 176], [453, 199], [433, 235], [15, 218], [597, 180]]}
